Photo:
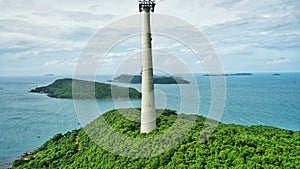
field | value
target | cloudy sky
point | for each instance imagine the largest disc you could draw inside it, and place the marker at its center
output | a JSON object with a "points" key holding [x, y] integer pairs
{"points": [[47, 36]]}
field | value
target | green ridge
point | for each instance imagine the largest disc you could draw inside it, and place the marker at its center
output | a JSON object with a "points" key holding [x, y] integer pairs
{"points": [[136, 79], [230, 146], [62, 88]]}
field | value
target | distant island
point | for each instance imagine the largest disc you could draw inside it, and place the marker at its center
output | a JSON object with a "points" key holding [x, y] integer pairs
{"points": [[276, 74], [136, 79], [49, 75], [232, 74], [230, 146], [62, 88]]}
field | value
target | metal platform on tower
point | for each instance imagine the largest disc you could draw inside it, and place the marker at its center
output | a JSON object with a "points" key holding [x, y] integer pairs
{"points": [[146, 4]]}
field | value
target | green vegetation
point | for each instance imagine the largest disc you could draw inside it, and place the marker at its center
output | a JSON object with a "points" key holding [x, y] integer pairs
{"points": [[230, 146], [62, 88], [157, 79]]}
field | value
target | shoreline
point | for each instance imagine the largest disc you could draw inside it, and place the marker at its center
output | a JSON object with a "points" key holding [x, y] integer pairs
{"points": [[120, 99]]}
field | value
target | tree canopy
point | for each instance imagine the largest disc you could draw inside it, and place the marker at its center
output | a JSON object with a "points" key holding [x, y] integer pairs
{"points": [[230, 146], [80, 89]]}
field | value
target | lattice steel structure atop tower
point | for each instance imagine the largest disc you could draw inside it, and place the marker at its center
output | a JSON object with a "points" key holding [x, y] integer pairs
{"points": [[146, 4]]}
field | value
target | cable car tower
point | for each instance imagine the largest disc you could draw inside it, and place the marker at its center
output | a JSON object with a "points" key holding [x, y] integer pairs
{"points": [[148, 115]]}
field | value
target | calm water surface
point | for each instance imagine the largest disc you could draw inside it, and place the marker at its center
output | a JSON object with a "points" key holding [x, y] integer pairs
{"points": [[29, 119]]}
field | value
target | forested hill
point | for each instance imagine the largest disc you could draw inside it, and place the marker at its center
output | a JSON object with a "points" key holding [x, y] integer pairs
{"points": [[62, 88], [230, 146], [136, 79]]}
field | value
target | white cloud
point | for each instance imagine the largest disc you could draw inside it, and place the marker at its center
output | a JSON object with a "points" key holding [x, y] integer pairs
{"points": [[60, 63], [278, 61], [52, 29], [209, 59], [118, 54], [198, 12], [230, 22], [185, 50], [53, 62], [264, 24], [168, 46], [232, 48]]}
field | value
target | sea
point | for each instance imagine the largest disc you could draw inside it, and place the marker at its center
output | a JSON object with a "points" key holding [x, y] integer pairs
{"points": [[29, 119]]}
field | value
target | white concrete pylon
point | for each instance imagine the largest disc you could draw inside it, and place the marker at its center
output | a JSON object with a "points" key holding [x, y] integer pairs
{"points": [[148, 115]]}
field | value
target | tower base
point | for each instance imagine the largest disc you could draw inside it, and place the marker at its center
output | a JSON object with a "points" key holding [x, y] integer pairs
{"points": [[148, 120]]}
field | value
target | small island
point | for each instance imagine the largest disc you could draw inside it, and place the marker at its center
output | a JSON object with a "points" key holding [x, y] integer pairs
{"points": [[136, 79], [62, 88], [230, 146], [49, 75], [230, 74], [276, 74]]}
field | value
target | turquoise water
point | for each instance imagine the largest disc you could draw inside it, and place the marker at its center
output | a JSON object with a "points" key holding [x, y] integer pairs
{"points": [[28, 119]]}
